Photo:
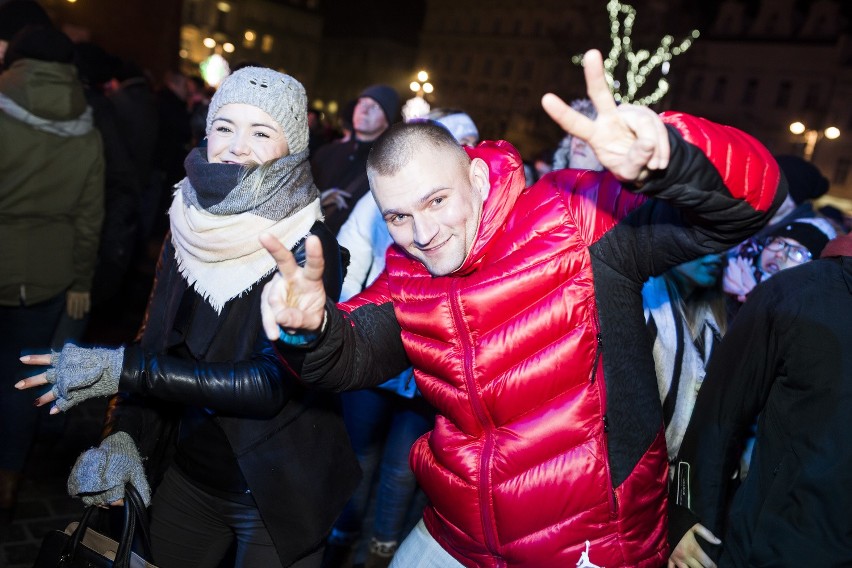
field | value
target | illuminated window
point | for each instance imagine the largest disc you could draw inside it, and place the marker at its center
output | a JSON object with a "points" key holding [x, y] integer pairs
{"points": [[266, 43]]}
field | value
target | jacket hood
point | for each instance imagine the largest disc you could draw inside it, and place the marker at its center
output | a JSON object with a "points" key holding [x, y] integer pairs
{"points": [[46, 95], [506, 174]]}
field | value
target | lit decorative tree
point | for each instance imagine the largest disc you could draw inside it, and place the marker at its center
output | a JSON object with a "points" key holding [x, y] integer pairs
{"points": [[636, 67]]}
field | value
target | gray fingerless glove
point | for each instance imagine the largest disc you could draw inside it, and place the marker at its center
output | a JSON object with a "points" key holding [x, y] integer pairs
{"points": [[80, 373], [100, 474]]}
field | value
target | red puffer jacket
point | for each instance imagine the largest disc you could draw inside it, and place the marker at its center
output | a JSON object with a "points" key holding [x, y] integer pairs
{"points": [[517, 464], [548, 446]]}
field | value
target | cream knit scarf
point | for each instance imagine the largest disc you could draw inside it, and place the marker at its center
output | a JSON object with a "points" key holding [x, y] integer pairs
{"points": [[220, 255]]}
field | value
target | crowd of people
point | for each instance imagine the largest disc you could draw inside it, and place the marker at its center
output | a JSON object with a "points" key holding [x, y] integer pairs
{"points": [[396, 344]]}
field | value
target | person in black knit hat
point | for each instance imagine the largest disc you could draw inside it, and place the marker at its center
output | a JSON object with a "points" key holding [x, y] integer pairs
{"points": [[340, 168], [15, 16]]}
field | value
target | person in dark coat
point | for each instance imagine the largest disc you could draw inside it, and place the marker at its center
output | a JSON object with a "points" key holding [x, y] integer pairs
{"points": [[122, 186], [51, 211], [786, 360], [340, 168], [235, 447]]}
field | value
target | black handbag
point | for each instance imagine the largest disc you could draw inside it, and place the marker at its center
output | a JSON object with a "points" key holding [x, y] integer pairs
{"points": [[80, 546]]}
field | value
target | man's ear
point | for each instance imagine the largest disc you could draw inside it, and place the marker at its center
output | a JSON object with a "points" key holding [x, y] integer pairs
{"points": [[479, 176]]}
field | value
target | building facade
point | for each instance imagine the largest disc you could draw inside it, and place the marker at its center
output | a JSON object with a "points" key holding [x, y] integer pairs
{"points": [[496, 58], [281, 35], [763, 69]]}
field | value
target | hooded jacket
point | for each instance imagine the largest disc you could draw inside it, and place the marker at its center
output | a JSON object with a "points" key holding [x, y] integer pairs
{"points": [[51, 183], [548, 448]]}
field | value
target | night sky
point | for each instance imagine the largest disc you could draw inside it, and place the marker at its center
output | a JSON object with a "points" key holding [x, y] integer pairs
{"points": [[400, 20]]}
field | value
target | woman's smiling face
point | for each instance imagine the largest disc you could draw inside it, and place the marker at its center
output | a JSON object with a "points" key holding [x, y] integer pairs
{"points": [[245, 134]]}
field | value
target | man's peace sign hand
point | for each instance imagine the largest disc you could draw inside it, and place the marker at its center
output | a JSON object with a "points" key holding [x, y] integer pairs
{"points": [[628, 140]]}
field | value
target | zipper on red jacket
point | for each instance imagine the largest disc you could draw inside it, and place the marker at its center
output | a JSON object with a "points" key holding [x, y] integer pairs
{"points": [[613, 498], [598, 352], [485, 421]]}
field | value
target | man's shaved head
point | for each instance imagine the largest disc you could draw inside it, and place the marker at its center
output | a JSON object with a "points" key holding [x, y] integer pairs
{"points": [[402, 141]]}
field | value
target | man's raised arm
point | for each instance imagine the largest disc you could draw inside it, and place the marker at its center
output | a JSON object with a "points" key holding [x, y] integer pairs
{"points": [[629, 141]]}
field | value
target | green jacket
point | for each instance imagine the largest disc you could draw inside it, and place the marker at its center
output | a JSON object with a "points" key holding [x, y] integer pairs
{"points": [[51, 183]]}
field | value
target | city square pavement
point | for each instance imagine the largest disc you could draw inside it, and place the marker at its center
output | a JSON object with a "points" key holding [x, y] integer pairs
{"points": [[43, 504]]}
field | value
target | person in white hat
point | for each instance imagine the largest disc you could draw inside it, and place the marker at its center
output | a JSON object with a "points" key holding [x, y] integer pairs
{"points": [[235, 448]]}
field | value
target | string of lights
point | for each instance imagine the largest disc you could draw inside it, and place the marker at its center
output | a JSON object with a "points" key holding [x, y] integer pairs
{"points": [[638, 65]]}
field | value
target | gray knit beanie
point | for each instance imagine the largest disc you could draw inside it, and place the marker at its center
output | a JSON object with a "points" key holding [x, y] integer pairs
{"points": [[280, 96]]}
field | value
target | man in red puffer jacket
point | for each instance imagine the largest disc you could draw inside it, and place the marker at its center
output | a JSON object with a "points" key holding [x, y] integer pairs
{"points": [[520, 310]]}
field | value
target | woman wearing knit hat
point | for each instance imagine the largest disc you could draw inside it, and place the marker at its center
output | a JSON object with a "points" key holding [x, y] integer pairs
{"points": [[234, 447]]}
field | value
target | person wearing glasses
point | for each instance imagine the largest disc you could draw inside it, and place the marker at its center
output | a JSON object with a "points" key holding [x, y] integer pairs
{"points": [[787, 245], [785, 362]]}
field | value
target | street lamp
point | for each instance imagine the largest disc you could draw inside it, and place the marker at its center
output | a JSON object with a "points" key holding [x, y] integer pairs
{"points": [[421, 86], [812, 136], [417, 107]]}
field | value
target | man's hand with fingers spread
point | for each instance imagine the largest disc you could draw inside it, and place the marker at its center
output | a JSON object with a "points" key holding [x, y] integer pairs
{"points": [[629, 141], [295, 298]]}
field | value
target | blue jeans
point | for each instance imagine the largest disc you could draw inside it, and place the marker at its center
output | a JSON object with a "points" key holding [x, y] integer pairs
{"points": [[420, 550], [23, 330], [383, 426]]}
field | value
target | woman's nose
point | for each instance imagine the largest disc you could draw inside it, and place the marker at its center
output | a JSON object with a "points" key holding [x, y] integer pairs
{"points": [[239, 146]]}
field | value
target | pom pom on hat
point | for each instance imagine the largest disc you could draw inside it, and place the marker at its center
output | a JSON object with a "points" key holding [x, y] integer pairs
{"points": [[280, 96]]}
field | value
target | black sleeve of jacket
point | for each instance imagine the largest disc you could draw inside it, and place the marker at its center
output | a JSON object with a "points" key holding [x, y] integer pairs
{"points": [[258, 387], [357, 350], [692, 214], [739, 378]]}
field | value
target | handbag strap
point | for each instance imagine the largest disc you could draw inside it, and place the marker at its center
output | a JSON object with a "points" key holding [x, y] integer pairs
{"points": [[73, 543], [135, 516]]}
